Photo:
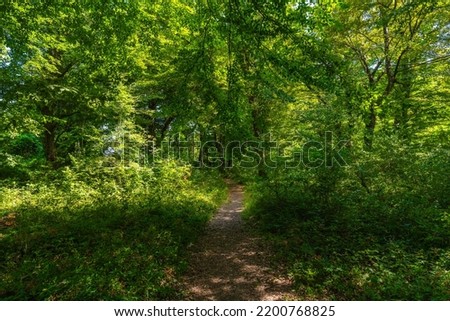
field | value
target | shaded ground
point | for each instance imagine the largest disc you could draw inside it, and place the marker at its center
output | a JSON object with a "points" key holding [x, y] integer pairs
{"points": [[228, 263]]}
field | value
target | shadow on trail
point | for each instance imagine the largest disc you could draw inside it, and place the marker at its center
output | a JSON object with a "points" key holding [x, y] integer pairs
{"points": [[228, 263]]}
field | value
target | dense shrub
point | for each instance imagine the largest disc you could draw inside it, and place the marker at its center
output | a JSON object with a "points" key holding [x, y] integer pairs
{"points": [[387, 240], [96, 232]]}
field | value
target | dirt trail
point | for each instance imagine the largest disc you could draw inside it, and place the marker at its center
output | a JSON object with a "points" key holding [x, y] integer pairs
{"points": [[228, 263]]}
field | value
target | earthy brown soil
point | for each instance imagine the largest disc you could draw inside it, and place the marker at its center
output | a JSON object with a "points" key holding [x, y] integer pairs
{"points": [[229, 263]]}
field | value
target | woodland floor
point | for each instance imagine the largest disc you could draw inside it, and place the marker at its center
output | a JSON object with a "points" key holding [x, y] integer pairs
{"points": [[229, 263]]}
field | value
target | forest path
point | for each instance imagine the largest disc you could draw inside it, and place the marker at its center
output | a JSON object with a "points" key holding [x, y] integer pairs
{"points": [[228, 263]]}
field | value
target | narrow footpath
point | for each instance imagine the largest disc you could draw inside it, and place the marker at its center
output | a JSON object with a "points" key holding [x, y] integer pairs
{"points": [[228, 263]]}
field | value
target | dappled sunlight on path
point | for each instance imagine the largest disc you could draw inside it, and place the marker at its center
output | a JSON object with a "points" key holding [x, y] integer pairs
{"points": [[228, 263]]}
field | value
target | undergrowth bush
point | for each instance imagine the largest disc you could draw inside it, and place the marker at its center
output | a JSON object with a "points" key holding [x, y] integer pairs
{"points": [[96, 232], [340, 240]]}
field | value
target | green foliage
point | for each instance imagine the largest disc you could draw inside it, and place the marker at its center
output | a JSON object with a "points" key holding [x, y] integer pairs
{"points": [[27, 146], [95, 233], [93, 95], [20, 156], [342, 241], [377, 227]]}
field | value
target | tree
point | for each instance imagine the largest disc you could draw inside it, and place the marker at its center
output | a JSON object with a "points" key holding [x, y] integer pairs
{"points": [[65, 70], [388, 42]]}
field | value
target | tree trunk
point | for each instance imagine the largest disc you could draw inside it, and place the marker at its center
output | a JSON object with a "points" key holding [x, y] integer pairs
{"points": [[202, 155], [370, 128], [50, 143], [257, 133]]}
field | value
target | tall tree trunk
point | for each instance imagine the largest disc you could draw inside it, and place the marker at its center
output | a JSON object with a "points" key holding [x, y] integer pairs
{"points": [[218, 142], [49, 136], [257, 133], [370, 128], [403, 96], [50, 142], [202, 153]]}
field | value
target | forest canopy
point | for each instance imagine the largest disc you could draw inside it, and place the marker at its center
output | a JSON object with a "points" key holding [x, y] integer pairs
{"points": [[119, 119]]}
